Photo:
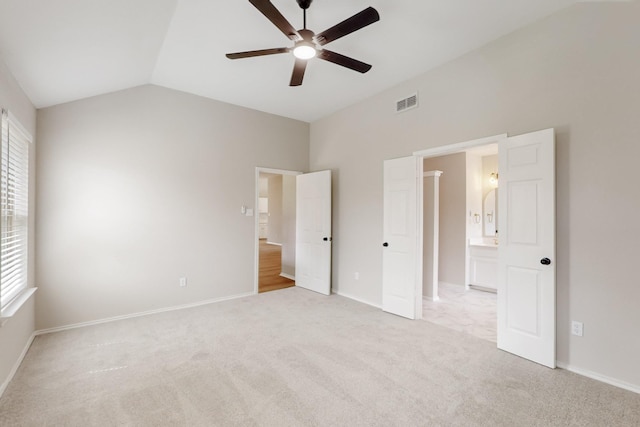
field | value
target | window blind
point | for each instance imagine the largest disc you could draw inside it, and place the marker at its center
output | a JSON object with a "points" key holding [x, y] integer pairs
{"points": [[14, 195]]}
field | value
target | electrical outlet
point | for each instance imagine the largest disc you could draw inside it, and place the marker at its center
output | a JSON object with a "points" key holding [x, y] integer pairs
{"points": [[183, 282], [576, 328]]}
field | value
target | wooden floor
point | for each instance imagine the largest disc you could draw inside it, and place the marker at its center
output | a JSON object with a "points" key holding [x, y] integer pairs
{"points": [[269, 278]]}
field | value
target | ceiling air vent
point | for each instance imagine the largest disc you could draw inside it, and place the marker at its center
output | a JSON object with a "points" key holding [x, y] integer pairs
{"points": [[407, 103]]}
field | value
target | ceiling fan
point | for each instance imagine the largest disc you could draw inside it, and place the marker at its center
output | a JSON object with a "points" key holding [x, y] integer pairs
{"points": [[307, 43]]}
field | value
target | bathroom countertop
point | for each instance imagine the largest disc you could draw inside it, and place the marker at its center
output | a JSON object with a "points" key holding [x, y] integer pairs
{"points": [[484, 242], [484, 245]]}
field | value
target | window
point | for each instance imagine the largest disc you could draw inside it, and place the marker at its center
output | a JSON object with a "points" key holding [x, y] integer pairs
{"points": [[14, 202]]}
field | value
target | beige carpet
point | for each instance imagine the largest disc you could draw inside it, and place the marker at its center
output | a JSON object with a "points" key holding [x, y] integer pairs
{"points": [[471, 311], [294, 358]]}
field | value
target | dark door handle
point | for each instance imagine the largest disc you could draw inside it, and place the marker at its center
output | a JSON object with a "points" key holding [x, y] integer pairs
{"points": [[545, 261], [326, 239], [385, 244]]}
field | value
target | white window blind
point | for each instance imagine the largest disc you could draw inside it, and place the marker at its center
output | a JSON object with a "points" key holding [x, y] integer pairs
{"points": [[14, 194]]}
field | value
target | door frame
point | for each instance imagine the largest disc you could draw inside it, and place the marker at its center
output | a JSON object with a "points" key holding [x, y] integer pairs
{"points": [[256, 222]]}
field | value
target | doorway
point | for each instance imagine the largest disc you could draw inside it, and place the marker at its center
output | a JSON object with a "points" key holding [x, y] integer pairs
{"points": [[460, 246], [275, 217], [526, 254]]}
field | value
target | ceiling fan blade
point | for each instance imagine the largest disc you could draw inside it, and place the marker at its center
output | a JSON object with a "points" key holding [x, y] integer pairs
{"points": [[298, 72], [251, 53], [345, 61], [348, 26], [274, 15]]}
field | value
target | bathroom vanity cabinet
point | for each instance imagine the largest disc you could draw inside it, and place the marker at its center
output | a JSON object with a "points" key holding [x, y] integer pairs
{"points": [[483, 264]]}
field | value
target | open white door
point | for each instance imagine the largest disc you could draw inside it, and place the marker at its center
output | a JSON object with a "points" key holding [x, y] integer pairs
{"points": [[402, 234], [526, 252], [313, 231]]}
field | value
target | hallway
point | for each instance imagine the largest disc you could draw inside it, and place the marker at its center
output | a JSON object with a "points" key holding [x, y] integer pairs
{"points": [[269, 278]]}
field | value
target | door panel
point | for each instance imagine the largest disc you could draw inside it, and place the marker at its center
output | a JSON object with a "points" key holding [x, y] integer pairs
{"points": [[526, 287], [402, 235], [313, 231]]}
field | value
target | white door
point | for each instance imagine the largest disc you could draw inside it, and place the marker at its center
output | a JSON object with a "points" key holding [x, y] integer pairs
{"points": [[526, 249], [313, 231], [402, 237]]}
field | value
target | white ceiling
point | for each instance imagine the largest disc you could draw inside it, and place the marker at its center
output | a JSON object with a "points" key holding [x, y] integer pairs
{"points": [[64, 50]]}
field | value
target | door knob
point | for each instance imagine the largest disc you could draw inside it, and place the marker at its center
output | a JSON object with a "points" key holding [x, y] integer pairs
{"points": [[326, 239], [545, 261], [385, 244]]}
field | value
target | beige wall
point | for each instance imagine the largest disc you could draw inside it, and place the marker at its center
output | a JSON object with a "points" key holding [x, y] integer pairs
{"points": [[474, 196], [489, 166], [453, 215], [16, 332], [274, 232], [140, 187], [576, 71]]}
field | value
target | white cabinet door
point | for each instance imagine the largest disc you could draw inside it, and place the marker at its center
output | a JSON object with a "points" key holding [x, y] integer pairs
{"points": [[402, 235], [313, 231], [526, 253], [483, 267]]}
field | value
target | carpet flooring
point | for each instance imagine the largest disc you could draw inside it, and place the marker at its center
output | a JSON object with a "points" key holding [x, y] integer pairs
{"points": [[471, 310], [294, 358]]}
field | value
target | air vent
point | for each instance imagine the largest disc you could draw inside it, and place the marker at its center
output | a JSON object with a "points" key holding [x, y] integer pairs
{"points": [[407, 103]]}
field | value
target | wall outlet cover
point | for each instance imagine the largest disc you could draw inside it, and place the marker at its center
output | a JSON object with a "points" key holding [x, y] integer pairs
{"points": [[576, 328]]}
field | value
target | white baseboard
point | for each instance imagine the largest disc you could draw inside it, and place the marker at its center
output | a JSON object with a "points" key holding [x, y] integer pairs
{"points": [[598, 377], [450, 284], [140, 314], [13, 371], [288, 276], [426, 298], [342, 294], [483, 288], [273, 243]]}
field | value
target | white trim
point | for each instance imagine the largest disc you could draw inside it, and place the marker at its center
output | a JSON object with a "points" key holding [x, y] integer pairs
{"points": [[599, 377], [256, 238], [14, 306], [435, 173], [458, 147], [351, 297], [433, 299], [278, 171], [483, 288], [460, 285], [16, 365], [140, 314], [288, 276], [273, 243]]}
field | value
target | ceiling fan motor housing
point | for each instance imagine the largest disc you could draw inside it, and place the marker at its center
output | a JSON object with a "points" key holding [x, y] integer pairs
{"points": [[307, 35], [304, 3]]}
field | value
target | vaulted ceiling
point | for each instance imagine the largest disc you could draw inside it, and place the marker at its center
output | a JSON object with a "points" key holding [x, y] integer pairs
{"points": [[64, 50]]}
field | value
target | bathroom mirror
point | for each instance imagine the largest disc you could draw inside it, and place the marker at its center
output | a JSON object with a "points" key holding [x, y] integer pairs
{"points": [[490, 214]]}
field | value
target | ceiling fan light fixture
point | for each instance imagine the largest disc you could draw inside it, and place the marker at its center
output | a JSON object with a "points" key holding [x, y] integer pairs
{"points": [[304, 50]]}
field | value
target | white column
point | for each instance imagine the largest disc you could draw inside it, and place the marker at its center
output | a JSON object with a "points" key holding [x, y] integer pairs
{"points": [[431, 240]]}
